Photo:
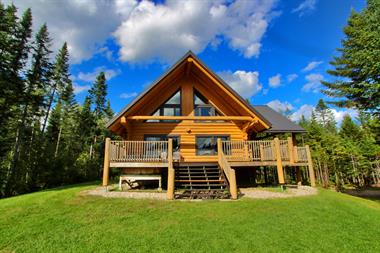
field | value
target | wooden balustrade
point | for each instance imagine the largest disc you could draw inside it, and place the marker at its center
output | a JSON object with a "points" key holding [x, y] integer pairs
{"points": [[264, 151], [138, 151]]}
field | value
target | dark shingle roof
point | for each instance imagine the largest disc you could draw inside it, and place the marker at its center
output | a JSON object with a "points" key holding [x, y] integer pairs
{"points": [[279, 123]]}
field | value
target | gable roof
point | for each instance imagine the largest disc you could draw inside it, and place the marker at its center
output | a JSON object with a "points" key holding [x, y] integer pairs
{"points": [[183, 58], [279, 123]]}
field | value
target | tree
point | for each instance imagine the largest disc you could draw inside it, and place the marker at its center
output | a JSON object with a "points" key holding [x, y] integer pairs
{"points": [[98, 94], [60, 79], [357, 68], [325, 116]]}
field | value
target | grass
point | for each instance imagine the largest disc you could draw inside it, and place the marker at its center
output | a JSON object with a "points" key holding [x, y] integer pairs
{"points": [[63, 220]]}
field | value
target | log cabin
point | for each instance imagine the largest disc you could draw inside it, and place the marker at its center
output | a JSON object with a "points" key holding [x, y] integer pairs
{"points": [[194, 131]]}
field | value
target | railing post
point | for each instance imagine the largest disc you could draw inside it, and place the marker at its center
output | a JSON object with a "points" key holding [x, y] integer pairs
{"points": [[280, 170], [310, 165], [106, 166], [171, 172], [290, 150], [219, 148], [262, 155], [295, 154]]}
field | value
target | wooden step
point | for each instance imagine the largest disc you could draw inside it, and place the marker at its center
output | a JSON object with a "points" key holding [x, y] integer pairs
{"points": [[198, 180]]}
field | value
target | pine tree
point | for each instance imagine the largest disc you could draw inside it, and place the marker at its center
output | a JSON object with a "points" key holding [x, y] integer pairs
{"points": [[60, 79], [358, 67], [98, 94]]}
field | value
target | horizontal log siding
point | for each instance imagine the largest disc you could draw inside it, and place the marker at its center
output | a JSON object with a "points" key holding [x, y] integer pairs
{"points": [[188, 140]]}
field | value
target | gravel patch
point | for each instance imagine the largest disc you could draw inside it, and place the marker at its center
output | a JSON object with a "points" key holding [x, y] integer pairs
{"points": [[253, 193], [256, 193], [101, 191]]}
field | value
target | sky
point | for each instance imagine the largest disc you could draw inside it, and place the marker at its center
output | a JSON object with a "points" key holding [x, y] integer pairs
{"points": [[271, 52]]}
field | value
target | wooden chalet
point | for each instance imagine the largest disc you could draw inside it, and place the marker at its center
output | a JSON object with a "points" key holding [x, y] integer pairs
{"points": [[195, 131]]}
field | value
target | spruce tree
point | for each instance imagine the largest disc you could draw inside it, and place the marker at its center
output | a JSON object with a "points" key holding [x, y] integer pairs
{"points": [[357, 68]]}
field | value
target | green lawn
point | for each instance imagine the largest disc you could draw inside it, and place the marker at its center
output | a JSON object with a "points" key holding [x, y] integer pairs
{"points": [[61, 220]]}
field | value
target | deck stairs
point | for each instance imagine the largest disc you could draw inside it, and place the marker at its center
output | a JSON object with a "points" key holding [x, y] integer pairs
{"points": [[200, 182]]}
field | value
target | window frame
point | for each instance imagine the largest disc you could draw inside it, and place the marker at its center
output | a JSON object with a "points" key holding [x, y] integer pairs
{"points": [[164, 106], [164, 137]]}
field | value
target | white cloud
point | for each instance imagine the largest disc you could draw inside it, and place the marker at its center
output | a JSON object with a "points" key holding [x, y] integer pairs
{"points": [[128, 95], [275, 81], [305, 110], [339, 114], [80, 88], [166, 31], [291, 77], [84, 24], [91, 76], [305, 7], [313, 83], [312, 65], [246, 83], [279, 106]]}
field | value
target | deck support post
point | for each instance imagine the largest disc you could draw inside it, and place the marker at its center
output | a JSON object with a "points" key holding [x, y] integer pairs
{"points": [[171, 172], [106, 166], [280, 170], [310, 166], [298, 175]]}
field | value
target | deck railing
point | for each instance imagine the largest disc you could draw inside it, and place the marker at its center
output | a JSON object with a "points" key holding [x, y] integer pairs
{"points": [[138, 151], [263, 151]]}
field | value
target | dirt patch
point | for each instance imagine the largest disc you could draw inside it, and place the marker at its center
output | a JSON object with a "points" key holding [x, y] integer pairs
{"points": [[256, 193], [368, 193]]}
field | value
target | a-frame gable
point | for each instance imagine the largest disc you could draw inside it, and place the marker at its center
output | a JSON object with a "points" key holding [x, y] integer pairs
{"points": [[191, 67]]}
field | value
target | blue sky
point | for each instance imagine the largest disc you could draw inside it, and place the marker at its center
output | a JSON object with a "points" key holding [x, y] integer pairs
{"points": [[271, 52]]}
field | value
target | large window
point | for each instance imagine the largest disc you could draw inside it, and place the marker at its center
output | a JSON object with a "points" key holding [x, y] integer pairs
{"points": [[172, 107], [207, 145], [202, 107], [176, 139]]}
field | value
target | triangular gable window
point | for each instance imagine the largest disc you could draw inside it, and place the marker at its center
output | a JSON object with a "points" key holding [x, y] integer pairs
{"points": [[202, 107], [172, 107]]}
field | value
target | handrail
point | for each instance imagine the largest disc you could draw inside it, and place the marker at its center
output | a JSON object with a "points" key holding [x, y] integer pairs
{"points": [[228, 171], [138, 151]]}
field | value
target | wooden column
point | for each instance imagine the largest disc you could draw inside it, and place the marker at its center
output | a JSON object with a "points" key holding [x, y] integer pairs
{"points": [[171, 172], [310, 165], [233, 185], [280, 170], [106, 166], [298, 176]]}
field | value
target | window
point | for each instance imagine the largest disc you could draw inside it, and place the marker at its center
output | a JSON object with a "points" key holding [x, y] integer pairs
{"points": [[176, 140], [202, 106], [207, 145], [171, 107]]}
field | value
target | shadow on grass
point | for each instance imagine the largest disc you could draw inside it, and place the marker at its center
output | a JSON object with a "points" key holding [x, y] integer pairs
{"points": [[370, 193]]}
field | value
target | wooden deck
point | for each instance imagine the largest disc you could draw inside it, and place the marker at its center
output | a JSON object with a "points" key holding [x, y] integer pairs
{"points": [[231, 154]]}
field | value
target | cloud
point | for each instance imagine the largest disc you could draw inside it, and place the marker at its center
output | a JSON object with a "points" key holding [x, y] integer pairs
{"points": [[305, 7], [91, 76], [339, 114], [164, 32], [246, 83], [291, 77], [275, 81], [305, 110], [84, 24], [128, 95], [279, 106], [312, 65], [313, 83], [80, 88]]}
